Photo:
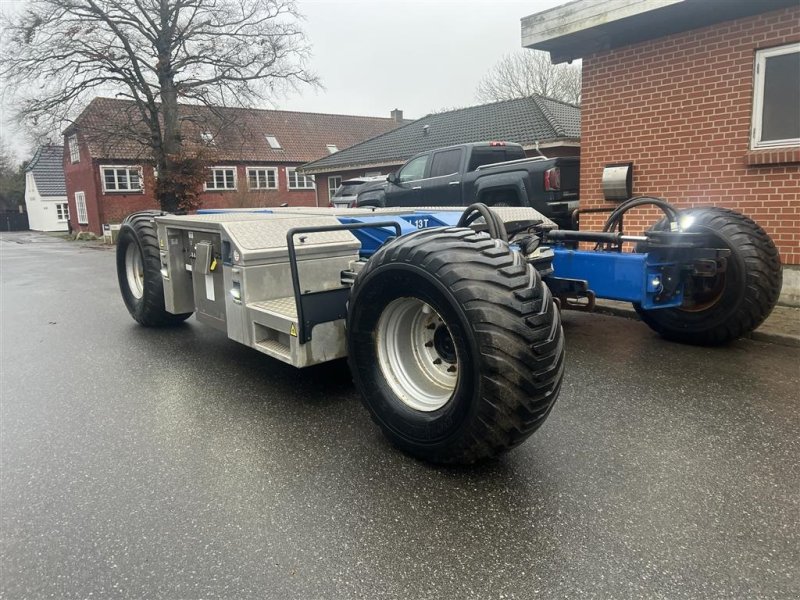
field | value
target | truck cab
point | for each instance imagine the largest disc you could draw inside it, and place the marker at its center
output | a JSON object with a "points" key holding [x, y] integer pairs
{"points": [[495, 173]]}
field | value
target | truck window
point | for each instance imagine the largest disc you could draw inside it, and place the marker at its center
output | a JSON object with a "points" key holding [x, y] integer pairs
{"points": [[490, 155], [413, 170], [446, 162]]}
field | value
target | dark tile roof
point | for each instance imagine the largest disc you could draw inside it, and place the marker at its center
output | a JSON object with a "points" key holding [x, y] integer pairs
{"points": [[47, 166], [524, 121], [238, 134]]}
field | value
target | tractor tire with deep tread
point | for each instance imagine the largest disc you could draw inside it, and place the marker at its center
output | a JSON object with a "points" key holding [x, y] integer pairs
{"points": [[749, 292], [139, 271], [507, 343]]}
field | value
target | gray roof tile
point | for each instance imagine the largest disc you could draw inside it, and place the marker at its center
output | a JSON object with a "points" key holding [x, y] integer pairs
{"points": [[47, 166], [524, 121]]}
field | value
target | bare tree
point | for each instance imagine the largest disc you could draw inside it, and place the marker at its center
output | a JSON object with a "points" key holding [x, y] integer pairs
{"points": [[530, 72], [155, 53]]}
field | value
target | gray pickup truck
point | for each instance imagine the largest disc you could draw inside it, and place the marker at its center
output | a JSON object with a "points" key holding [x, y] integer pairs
{"points": [[495, 173]]}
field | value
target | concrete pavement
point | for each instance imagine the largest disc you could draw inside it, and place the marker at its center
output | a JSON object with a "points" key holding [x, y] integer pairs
{"points": [[781, 327], [171, 464]]}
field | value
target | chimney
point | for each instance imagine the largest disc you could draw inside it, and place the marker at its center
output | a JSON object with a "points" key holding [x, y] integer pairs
{"points": [[397, 115]]}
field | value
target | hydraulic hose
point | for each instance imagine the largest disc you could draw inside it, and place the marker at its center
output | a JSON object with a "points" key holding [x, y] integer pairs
{"points": [[494, 223], [670, 211]]}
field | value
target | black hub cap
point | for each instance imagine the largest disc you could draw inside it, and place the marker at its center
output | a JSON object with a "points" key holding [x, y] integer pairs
{"points": [[443, 344]]}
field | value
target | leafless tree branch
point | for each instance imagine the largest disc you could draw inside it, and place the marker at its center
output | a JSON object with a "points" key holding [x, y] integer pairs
{"points": [[156, 53], [530, 72]]}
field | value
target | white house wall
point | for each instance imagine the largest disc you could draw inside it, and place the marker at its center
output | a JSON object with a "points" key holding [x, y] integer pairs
{"points": [[42, 213]]}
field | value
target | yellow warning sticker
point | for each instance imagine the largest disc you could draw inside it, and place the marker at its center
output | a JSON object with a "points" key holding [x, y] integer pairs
{"points": [[293, 331]]}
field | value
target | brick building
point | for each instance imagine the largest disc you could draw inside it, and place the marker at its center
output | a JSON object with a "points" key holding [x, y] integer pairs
{"points": [[251, 155], [539, 124], [702, 97]]}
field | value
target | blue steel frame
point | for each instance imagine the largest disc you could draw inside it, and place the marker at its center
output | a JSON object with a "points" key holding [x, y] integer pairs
{"points": [[629, 276]]}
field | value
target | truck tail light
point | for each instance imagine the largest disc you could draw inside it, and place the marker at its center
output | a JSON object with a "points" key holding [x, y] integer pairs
{"points": [[552, 180], [495, 144]]}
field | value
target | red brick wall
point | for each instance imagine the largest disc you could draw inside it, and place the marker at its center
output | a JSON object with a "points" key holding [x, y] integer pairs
{"points": [[113, 207], [680, 108], [79, 177]]}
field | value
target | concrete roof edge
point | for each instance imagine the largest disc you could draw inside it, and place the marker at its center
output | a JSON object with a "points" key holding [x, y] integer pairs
{"points": [[580, 15]]}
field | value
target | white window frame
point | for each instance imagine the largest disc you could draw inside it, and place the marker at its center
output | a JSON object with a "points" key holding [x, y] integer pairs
{"points": [[758, 97], [274, 171], [222, 189], [74, 149], [128, 169], [332, 189], [292, 171], [62, 212], [273, 142], [80, 205], [332, 148]]}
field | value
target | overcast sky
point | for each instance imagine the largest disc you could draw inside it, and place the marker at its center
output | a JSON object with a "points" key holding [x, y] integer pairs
{"points": [[376, 55]]}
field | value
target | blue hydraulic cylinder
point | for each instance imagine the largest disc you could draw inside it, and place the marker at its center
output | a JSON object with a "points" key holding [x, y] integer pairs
{"points": [[625, 276]]}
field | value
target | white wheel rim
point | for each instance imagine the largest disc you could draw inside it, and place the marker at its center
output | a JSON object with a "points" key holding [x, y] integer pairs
{"points": [[416, 354], [134, 269]]}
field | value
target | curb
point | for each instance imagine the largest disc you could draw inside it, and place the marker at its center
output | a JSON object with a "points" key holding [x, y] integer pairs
{"points": [[625, 310]]}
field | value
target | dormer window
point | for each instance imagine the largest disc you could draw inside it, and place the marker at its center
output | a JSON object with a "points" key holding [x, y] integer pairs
{"points": [[208, 138], [332, 148], [273, 142]]}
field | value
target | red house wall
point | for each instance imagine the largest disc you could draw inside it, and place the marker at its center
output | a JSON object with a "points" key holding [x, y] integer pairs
{"points": [[680, 107], [112, 207]]}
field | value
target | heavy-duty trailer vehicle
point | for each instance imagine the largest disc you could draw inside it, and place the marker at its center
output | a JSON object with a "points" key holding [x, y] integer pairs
{"points": [[450, 320]]}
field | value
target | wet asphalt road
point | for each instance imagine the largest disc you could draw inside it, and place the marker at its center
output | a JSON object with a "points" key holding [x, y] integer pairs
{"points": [[176, 464]]}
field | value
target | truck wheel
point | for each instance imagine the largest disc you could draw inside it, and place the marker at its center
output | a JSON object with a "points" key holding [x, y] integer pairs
{"points": [[455, 345], [139, 272], [733, 303]]}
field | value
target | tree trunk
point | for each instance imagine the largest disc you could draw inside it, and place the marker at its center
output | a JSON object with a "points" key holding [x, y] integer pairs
{"points": [[171, 144], [171, 138]]}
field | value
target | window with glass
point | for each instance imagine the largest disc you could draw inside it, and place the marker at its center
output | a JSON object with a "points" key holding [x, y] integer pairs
{"points": [[74, 149], [121, 178], [262, 178], [298, 181], [221, 178], [333, 185], [62, 212], [80, 204], [414, 170], [446, 162], [776, 97]]}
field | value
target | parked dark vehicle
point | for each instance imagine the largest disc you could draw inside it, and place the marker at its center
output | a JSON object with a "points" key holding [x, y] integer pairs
{"points": [[494, 173], [345, 195]]}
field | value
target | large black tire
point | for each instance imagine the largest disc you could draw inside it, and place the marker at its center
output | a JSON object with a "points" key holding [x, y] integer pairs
{"points": [[745, 294], [144, 294], [503, 330]]}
